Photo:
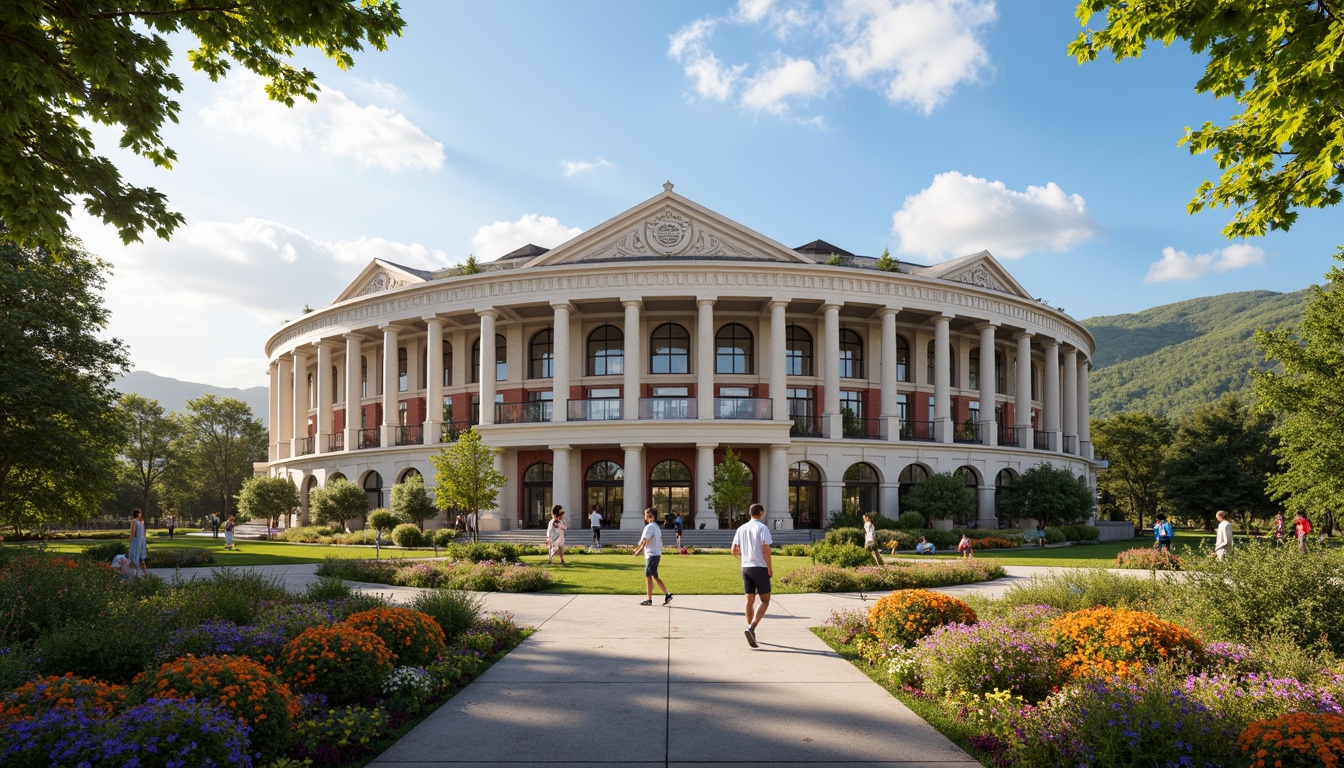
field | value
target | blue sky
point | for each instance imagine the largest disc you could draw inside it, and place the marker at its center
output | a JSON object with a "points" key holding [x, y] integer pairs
{"points": [[932, 128]]}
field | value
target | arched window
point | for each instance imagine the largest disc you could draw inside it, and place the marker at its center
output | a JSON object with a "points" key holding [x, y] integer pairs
{"points": [[1003, 487], [951, 365], [541, 355], [605, 483], [805, 495], [334, 477], [373, 487], [911, 476], [851, 354], [968, 476], [670, 490], [447, 364], [797, 351], [733, 349], [501, 356], [537, 495], [670, 349], [903, 370], [860, 491], [606, 351], [408, 474]]}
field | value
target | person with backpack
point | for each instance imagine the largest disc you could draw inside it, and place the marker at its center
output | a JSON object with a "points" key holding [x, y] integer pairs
{"points": [[1162, 534], [1302, 527]]}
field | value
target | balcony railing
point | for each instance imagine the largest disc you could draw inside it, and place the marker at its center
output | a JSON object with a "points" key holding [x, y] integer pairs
{"points": [[450, 431], [921, 431], [335, 442], [411, 434], [369, 438], [805, 426], [1012, 437], [1040, 440], [1071, 444], [967, 432], [597, 409], [305, 446], [856, 428], [753, 408], [668, 408], [530, 412]]}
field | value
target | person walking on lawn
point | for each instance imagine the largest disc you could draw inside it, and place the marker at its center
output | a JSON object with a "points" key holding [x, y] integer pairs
{"points": [[555, 535], [870, 538], [751, 542], [652, 546]]}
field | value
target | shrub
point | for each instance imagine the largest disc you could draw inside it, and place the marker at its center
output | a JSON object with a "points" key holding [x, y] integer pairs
{"points": [[409, 689], [427, 575], [103, 553], [367, 536], [308, 534], [839, 520], [41, 592], [290, 619], [894, 575], [1241, 699], [384, 519], [843, 555], [230, 594], [896, 539], [345, 664], [1295, 740], [1054, 536], [904, 616], [412, 637], [246, 689], [345, 732], [88, 695], [838, 536], [356, 602], [1118, 641], [113, 644], [821, 578], [454, 610], [328, 588], [444, 536], [910, 521], [408, 535], [993, 542], [372, 571], [498, 577], [987, 657], [478, 551], [1074, 589], [1083, 533], [1147, 559], [178, 557]]}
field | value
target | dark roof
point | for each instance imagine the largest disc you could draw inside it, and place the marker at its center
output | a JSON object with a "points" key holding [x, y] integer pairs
{"points": [[822, 248], [527, 251]]}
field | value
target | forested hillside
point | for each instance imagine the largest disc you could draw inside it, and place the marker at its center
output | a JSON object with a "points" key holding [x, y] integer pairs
{"points": [[1170, 359]]}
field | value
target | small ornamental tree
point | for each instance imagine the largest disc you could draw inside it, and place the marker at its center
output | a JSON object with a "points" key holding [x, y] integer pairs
{"points": [[466, 476], [886, 263], [730, 490], [267, 498], [941, 497], [338, 501], [411, 502], [1047, 493]]}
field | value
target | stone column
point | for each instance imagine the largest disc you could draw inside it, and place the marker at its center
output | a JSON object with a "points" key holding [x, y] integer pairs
{"points": [[891, 498], [1022, 403], [633, 365], [562, 489], [704, 472], [942, 379], [777, 492], [1069, 399], [300, 412], [390, 396], [704, 358], [273, 414], [285, 431], [325, 397], [832, 497], [833, 424], [433, 381], [354, 404], [1084, 410], [487, 367], [632, 515], [1050, 397], [987, 516], [989, 427], [891, 418], [779, 392], [560, 376], [502, 517]]}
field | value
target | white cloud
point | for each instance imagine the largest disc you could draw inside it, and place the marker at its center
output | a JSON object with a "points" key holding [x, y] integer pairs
{"points": [[792, 78], [494, 240], [573, 167], [957, 215], [371, 136], [1179, 265], [709, 77]]}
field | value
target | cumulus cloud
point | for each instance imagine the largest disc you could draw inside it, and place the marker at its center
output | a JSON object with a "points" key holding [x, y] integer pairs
{"points": [[371, 136], [917, 52], [573, 167], [1179, 265], [494, 240], [959, 214]]}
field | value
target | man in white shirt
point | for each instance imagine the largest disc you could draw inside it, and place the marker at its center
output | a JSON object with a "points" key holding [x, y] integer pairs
{"points": [[595, 521], [652, 546], [471, 524], [752, 543], [1222, 546]]}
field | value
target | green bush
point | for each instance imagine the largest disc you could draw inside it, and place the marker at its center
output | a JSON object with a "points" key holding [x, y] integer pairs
{"points": [[384, 519], [41, 592], [843, 555], [900, 539], [444, 536], [841, 520], [1083, 533], [1054, 536], [113, 644], [103, 553], [477, 551], [987, 657], [178, 557], [910, 521], [1077, 589], [845, 536], [308, 534], [235, 595], [898, 574], [328, 588], [408, 535], [795, 550], [366, 536], [455, 611], [359, 601], [371, 571], [350, 731], [941, 539], [498, 577]]}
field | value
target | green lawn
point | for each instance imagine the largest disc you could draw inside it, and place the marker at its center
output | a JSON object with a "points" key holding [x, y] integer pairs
{"points": [[255, 552], [1186, 544], [704, 573]]}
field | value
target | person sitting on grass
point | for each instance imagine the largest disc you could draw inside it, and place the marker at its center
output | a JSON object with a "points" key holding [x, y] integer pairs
{"points": [[965, 548], [924, 547]]}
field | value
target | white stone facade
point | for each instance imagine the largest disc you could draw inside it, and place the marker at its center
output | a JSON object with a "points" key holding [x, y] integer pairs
{"points": [[628, 358]]}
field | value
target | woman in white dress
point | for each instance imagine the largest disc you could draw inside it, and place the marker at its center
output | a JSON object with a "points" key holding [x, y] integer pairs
{"points": [[555, 535], [139, 547]]}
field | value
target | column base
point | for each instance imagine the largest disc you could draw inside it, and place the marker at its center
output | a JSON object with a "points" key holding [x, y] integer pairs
{"points": [[777, 521], [632, 522], [432, 432], [493, 521]]}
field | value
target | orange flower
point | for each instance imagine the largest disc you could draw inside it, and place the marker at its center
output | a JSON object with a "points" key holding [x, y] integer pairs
{"points": [[1295, 740], [906, 615], [1118, 641]]}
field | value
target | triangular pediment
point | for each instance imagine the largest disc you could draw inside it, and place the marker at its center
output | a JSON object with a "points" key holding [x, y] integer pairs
{"points": [[979, 269], [381, 276], [668, 226]]}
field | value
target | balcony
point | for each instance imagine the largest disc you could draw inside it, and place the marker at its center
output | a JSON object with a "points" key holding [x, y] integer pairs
{"points": [[1013, 437], [335, 442], [805, 426], [413, 434], [856, 428], [1071, 444], [597, 409], [919, 431], [1040, 440], [530, 412], [967, 432], [668, 408], [450, 431], [305, 446], [369, 438], [746, 408]]}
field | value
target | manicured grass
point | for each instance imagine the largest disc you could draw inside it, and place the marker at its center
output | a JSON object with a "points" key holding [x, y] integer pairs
{"points": [[257, 552], [610, 573], [1186, 544]]}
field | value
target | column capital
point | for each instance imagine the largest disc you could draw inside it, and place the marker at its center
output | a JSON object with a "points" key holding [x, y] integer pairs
{"points": [[706, 446], [943, 318], [1020, 335], [565, 305], [274, 365], [832, 306], [892, 311], [703, 301], [986, 325], [490, 313], [779, 446], [328, 344], [777, 304], [1050, 344], [554, 448], [434, 320], [632, 447], [636, 303], [355, 336]]}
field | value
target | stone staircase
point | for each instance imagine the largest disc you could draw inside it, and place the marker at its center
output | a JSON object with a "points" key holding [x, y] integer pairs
{"points": [[706, 539]]}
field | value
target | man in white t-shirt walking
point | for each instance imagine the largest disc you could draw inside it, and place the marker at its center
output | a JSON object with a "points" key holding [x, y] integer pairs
{"points": [[752, 543], [595, 521], [652, 546]]}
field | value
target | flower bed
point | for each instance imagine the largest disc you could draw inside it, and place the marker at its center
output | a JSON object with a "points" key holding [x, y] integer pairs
{"points": [[1147, 559], [896, 574], [482, 576]]}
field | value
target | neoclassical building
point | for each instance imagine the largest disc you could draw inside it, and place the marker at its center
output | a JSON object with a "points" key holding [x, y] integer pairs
{"points": [[616, 369]]}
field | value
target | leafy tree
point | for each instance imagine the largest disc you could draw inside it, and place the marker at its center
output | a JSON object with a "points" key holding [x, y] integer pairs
{"points": [[941, 496], [268, 498], [152, 437], [1048, 493], [384, 519], [1307, 392], [1133, 445], [466, 477], [411, 502], [59, 431], [71, 63], [1221, 458], [730, 490], [886, 263], [339, 500], [221, 439], [1281, 61]]}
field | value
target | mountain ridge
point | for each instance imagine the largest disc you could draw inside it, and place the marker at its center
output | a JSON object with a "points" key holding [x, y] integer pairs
{"points": [[173, 394]]}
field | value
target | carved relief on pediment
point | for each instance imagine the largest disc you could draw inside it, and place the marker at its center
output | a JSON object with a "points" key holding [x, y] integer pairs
{"points": [[379, 283], [669, 233], [980, 277]]}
